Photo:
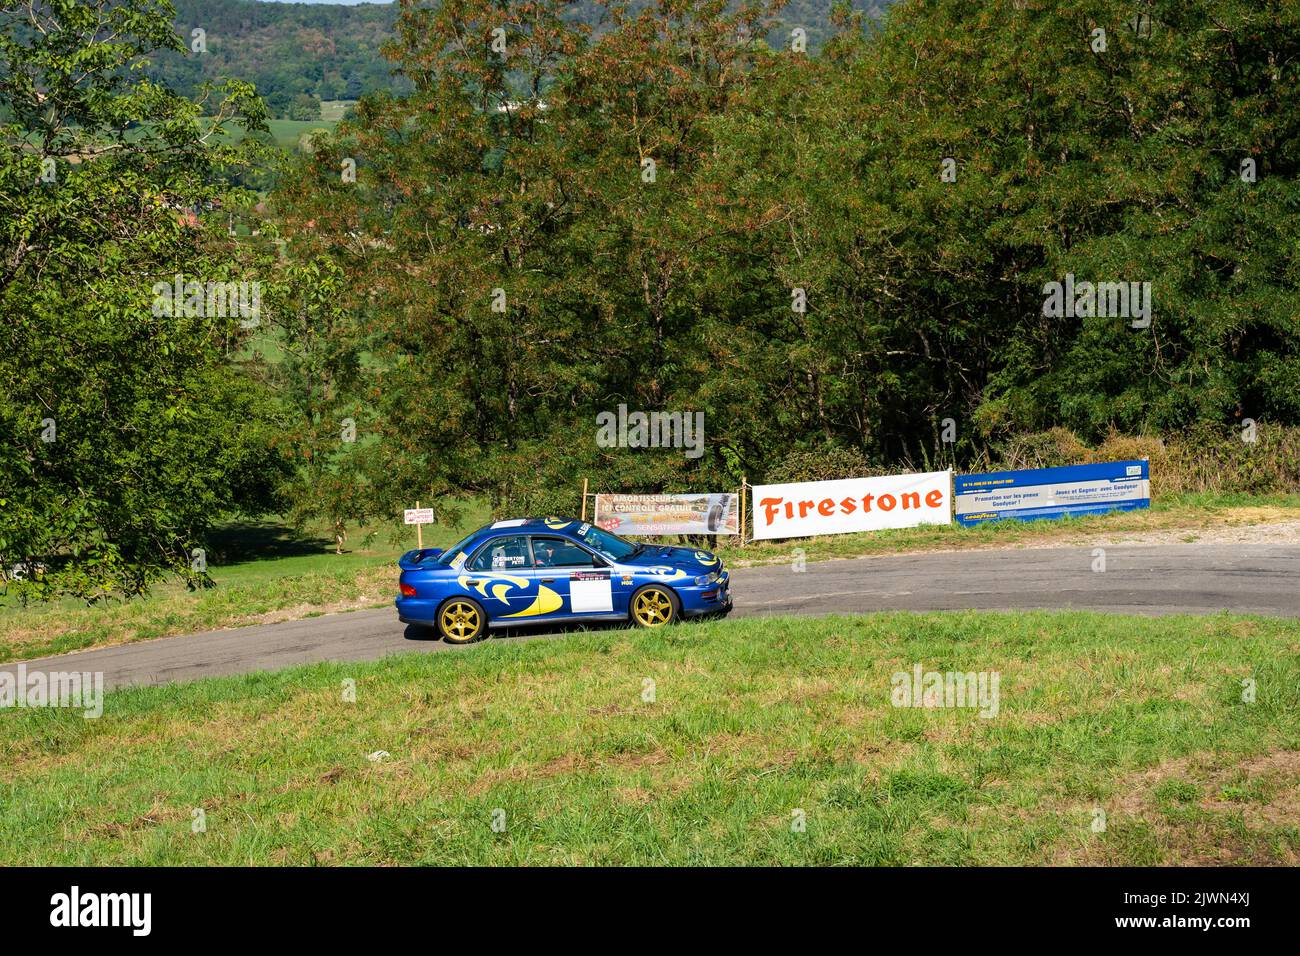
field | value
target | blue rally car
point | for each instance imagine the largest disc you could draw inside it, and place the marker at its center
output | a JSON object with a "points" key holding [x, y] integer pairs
{"points": [[539, 570]]}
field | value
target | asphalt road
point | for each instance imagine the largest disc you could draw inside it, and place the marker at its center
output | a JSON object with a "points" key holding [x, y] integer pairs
{"points": [[1165, 579]]}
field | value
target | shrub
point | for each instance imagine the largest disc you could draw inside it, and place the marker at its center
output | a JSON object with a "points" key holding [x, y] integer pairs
{"points": [[824, 463], [1198, 460]]}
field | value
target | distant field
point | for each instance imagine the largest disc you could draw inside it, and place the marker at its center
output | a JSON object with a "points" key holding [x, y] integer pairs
{"points": [[287, 134], [333, 110], [1115, 740], [291, 134]]}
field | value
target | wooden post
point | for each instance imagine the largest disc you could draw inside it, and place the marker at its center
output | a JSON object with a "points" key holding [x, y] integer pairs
{"points": [[584, 499], [419, 530], [744, 483]]}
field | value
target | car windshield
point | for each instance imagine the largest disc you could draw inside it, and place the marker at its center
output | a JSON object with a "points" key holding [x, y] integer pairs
{"points": [[446, 557], [610, 545]]}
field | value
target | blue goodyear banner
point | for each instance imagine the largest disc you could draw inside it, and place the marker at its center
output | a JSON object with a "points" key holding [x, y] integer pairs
{"points": [[1052, 492]]}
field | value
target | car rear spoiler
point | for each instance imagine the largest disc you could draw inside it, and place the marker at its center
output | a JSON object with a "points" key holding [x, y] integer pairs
{"points": [[414, 560]]}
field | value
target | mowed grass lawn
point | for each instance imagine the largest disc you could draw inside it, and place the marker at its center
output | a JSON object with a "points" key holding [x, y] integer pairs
{"points": [[749, 721]]}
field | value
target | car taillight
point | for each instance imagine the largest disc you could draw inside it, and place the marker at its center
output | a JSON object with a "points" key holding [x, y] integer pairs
{"points": [[407, 590]]}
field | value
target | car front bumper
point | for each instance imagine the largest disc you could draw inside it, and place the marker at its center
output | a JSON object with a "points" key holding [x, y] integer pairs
{"points": [[712, 598]]}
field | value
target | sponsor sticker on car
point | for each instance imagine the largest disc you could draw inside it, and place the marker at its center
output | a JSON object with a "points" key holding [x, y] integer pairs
{"points": [[590, 591]]}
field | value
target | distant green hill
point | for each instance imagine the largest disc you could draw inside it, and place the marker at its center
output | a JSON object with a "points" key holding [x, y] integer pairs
{"points": [[299, 54], [296, 54]]}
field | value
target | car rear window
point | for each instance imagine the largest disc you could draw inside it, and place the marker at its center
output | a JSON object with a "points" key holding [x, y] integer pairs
{"points": [[458, 548]]}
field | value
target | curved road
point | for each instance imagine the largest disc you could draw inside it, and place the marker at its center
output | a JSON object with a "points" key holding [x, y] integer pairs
{"points": [[1164, 579]]}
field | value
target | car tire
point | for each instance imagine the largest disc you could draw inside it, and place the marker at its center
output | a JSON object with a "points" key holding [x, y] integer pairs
{"points": [[714, 520], [654, 606], [462, 620]]}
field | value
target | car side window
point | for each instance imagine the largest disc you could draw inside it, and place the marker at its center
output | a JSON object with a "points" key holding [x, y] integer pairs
{"points": [[508, 553], [561, 553]]}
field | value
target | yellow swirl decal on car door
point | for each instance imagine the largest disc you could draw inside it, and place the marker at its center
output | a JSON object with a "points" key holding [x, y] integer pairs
{"points": [[545, 602], [483, 580]]}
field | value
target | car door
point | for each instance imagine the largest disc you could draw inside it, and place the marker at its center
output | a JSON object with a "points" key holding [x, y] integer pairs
{"points": [[581, 579], [499, 575]]}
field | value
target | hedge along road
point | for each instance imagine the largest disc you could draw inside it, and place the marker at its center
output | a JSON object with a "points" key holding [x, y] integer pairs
{"points": [[1162, 579]]}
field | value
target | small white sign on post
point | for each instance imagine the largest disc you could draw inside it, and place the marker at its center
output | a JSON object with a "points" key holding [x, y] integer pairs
{"points": [[419, 516]]}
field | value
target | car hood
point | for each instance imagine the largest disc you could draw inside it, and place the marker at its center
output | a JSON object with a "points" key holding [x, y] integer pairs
{"points": [[692, 560]]}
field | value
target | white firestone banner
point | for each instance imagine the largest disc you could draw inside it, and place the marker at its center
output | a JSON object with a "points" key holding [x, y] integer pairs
{"points": [[802, 509]]}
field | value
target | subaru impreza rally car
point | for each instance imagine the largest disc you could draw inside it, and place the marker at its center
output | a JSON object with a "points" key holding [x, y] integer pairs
{"points": [[542, 570]]}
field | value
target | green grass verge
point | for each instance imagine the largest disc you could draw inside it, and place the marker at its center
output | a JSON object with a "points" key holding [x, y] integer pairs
{"points": [[751, 720], [269, 574]]}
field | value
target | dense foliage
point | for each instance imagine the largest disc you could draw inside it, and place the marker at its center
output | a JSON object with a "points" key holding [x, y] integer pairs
{"points": [[778, 171], [124, 433]]}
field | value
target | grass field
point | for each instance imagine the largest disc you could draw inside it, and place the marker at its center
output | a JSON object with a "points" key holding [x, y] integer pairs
{"points": [[277, 576], [271, 575], [750, 721], [285, 133], [288, 134], [331, 111]]}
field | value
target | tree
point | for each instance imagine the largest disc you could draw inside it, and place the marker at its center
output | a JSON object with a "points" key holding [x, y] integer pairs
{"points": [[318, 380], [124, 430]]}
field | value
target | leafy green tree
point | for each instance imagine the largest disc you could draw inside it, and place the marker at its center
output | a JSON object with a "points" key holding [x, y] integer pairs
{"points": [[521, 274], [926, 291], [125, 432], [317, 376], [304, 107], [1132, 164]]}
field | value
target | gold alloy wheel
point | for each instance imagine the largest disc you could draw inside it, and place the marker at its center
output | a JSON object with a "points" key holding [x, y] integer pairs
{"points": [[460, 621], [652, 608]]}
